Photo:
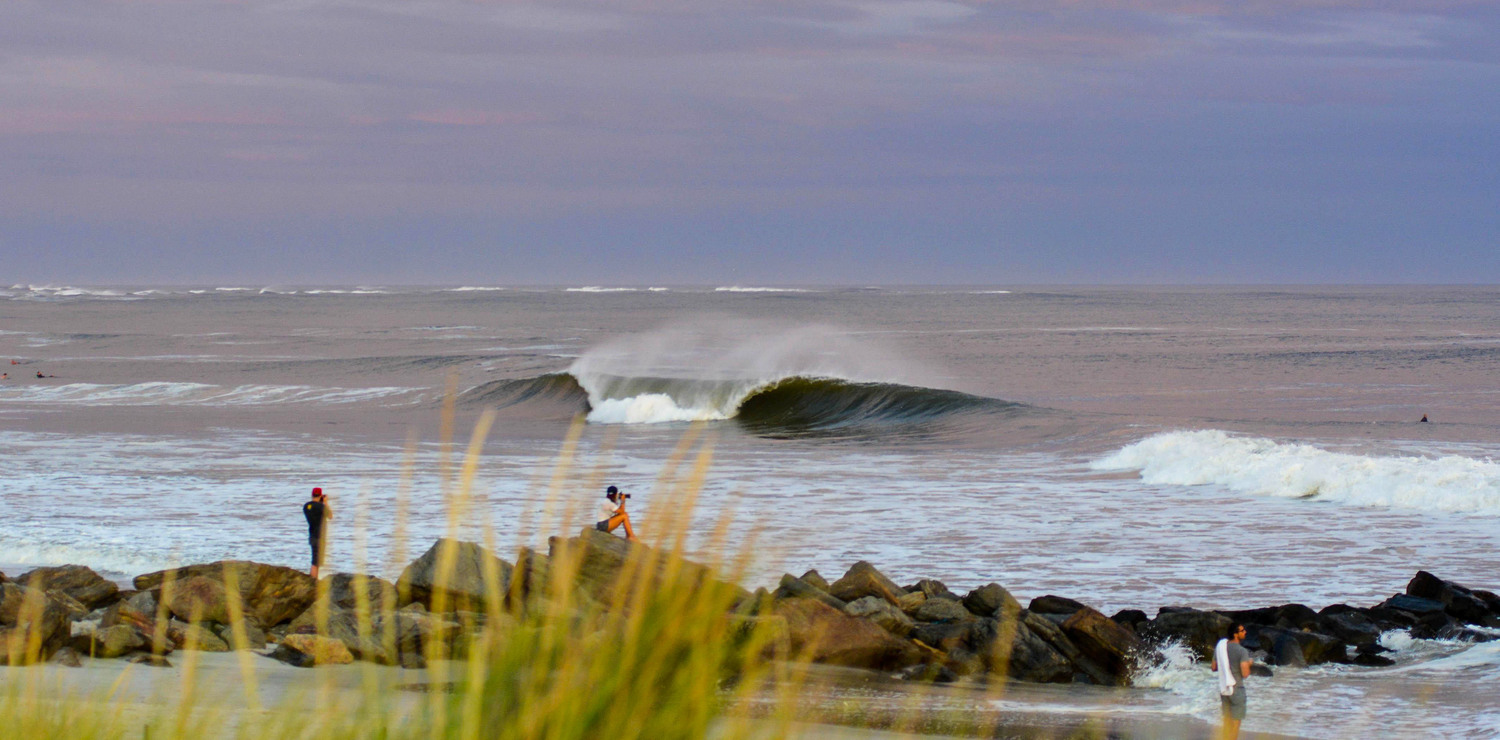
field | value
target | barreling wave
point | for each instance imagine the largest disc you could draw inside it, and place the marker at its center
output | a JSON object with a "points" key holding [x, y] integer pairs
{"points": [[793, 406], [1265, 467]]}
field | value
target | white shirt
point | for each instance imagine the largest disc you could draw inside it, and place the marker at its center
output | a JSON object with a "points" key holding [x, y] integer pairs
{"points": [[607, 509]]}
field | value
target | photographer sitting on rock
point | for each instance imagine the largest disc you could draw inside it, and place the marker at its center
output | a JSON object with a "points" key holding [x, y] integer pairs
{"points": [[612, 513]]}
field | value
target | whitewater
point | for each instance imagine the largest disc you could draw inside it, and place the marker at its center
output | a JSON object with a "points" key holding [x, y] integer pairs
{"points": [[1088, 442]]}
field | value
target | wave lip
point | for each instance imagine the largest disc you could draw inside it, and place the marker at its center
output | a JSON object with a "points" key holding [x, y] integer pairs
{"points": [[1265, 467], [753, 289]]}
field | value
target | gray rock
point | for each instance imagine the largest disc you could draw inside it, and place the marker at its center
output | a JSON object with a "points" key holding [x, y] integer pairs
{"points": [[78, 582], [1049, 631], [1050, 604], [816, 580], [942, 610], [146, 659], [863, 579], [271, 593], [67, 656], [113, 642], [792, 587], [1011, 648], [933, 589], [351, 590], [1104, 641], [476, 579], [33, 625], [881, 612], [990, 600], [1198, 630]]}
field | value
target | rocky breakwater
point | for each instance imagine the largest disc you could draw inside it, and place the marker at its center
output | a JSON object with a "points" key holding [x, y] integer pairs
{"points": [[456, 592]]}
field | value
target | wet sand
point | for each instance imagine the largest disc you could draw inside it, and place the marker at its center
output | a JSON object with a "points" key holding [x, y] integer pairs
{"points": [[223, 701]]}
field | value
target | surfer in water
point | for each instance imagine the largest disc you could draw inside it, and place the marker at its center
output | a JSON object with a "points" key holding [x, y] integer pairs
{"points": [[612, 513]]}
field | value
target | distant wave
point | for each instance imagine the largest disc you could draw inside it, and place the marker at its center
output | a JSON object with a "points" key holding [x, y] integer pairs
{"points": [[1265, 467], [744, 289], [599, 289], [474, 289], [790, 405], [196, 394]]}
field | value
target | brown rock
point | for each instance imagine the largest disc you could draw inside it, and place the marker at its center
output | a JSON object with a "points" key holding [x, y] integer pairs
{"points": [[881, 612], [1011, 648], [321, 650], [600, 558], [67, 656], [200, 637], [1104, 641], [271, 593], [942, 610], [475, 579], [77, 581], [992, 600], [197, 599], [792, 587], [816, 580], [350, 590], [1048, 630], [863, 579], [146, 659], [910, 601], [33, 625], [828, 635], [113, 642]]}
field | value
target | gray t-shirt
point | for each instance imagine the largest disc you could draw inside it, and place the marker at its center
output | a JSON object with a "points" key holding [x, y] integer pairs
{"points": [[1237, 655]]}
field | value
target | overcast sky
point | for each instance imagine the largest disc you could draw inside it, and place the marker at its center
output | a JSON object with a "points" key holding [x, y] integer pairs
{"points": [[697, 141]]}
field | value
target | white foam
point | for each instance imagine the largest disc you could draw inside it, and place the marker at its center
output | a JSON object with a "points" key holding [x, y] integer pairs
{"points": [[200, 394], [989, 292], [1265, 467], [649, 408], [474, 289], [599, 289], [747, 289]]}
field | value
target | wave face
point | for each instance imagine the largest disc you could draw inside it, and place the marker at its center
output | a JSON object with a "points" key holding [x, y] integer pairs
{"points": [[1265, 467]]}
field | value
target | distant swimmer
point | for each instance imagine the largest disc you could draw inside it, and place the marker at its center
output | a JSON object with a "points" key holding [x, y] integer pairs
{"points": [[317, 511], [612, 513], [1424, 419], [39, 374]]}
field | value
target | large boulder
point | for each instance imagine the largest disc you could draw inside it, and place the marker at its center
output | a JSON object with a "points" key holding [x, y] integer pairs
{"points": [[827, 635], [1049, 631], [77, 581], [351, 590], [113, 642], [1050, 604], [1295, 647], [863, 579], [932, 589], [201, 637], [418, 634], [881, 612], [1105, 642], [1199, 630], [992, 600], [197, 599], [942, 610], [310, 650], [455, 576], [1350, 625], [140, 610], [815, 579], [1011, 648], [271, 593], [33, 625], [792, 587], [1458, 601], [598, 561]]}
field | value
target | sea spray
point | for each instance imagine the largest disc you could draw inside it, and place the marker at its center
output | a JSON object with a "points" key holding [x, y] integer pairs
{"points": [[1265, 467], [707, 367]]}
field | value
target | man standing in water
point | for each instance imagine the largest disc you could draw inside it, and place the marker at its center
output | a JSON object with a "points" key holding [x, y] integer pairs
{"points": [[612, 513], [1232, 662], [317, 511]]}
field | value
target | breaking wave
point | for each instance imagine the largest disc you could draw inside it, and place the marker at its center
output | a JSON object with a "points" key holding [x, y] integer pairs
{"points": [[1265, 467], [792, 405]]}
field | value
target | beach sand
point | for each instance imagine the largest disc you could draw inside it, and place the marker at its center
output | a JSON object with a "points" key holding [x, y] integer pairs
{"points": [[222, 701]]}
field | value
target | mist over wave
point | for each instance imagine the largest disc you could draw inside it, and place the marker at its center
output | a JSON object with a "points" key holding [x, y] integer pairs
{"points": [[772, 379], [1265, 467]]}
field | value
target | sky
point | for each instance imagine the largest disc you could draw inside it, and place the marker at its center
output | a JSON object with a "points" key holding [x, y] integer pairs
{"points": [[761, 141]]}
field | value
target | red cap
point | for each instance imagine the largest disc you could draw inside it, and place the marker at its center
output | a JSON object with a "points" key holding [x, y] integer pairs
{"points": [[317, 491]]}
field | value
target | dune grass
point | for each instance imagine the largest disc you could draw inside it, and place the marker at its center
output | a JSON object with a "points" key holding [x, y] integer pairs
{"points": [[661, 654]]}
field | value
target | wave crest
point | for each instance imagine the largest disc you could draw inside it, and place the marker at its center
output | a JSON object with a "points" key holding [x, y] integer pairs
{"points": [[1266, 467]]}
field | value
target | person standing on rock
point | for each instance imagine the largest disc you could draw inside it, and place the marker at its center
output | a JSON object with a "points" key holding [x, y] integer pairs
{"points": [[1232, 663], [612, 513], [317, 511]]}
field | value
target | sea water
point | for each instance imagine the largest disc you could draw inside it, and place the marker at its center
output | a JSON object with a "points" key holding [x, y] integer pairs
{"points": [[1131, 448]]}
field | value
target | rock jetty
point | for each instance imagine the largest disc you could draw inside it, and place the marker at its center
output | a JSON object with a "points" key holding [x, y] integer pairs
{"points": [[445, 599]]}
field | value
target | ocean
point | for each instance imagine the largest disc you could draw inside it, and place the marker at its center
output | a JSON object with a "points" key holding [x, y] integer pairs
{"points": [[1218, 447]]}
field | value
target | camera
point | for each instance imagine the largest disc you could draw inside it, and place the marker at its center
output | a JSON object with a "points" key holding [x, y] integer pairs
{"points": [[624, 495]]}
